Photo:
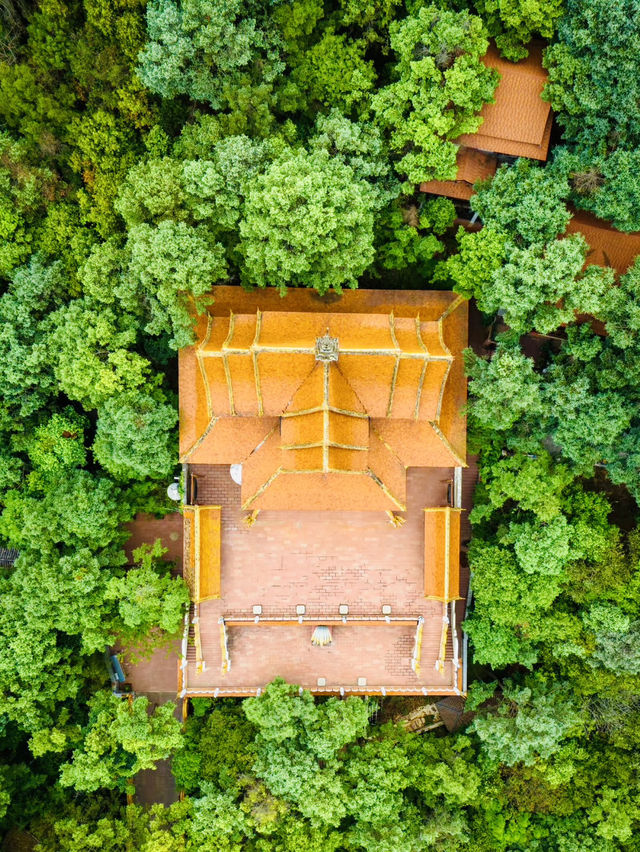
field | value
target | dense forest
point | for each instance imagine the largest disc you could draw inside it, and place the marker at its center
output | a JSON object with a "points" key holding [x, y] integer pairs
{"points": [[151, 150]]}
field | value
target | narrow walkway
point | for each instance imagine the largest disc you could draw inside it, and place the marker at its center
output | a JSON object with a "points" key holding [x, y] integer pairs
{"points": [[156, 677], [158, 786]]}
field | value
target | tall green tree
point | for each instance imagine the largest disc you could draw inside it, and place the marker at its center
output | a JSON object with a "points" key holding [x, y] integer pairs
{"points": [[440, 88], [308, 221], [120, 739], [593, 85], [513, 25], [135, 436], [195, 48]]}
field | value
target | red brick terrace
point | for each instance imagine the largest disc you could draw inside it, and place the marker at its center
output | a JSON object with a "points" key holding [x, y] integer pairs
{"points": [[322, 560]]}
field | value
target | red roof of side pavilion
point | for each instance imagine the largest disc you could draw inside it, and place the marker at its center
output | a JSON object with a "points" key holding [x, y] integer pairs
{"points": [[607, 246], [518, 123]]}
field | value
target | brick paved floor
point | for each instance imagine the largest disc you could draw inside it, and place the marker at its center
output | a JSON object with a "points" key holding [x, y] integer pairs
{"points": [[145, 529], [321, 560]]}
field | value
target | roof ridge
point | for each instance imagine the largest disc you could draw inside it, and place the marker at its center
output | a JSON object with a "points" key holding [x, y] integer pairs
{"points": [[447, 444]]}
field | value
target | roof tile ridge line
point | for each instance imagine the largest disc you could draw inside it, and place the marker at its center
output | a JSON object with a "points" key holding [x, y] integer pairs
{"points": [[453, 306], [283, 412], [207, 333], [443, 387], [421, 342], [207, 389], [394, 379], [388, 446], [336, 364], [396, 366], [325, 416], [392, 330], [314, 444], [332, 408], [273, 476], [225, 363], [401, 506], [358, 414], [226, 344], [296, 471], [310, 350], [441, 335], [262, 489], [447, 444], [205, 381], [254, 357], [247, 350], [423, 374], [186, 456]]}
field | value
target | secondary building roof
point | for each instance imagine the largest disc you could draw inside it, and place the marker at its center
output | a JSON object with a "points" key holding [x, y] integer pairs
{"points": [[325, 403], [519, 122], [473, 166], [607, 246]]}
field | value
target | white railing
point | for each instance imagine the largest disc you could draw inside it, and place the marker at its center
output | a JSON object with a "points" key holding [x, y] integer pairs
{"points": [[417, 646], [224, 646]]}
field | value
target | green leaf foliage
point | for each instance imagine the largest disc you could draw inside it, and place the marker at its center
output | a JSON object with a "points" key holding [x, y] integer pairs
{"points": [[593, 85], [439, 89], [525, 202], [513, 24], [308, 221], [135, 436], [542, 287], [531, 722], [120, 739], [194, 47], [607, 186]]}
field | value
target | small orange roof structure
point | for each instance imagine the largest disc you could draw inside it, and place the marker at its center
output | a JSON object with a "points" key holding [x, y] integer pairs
{"points": [[607, 246], [201, 565], [518, 123], [441, 551], [473, 166], [325, 403]]}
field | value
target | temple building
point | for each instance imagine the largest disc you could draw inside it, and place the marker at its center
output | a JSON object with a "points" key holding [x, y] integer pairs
{"points": [[323, 443], [517, 124]]}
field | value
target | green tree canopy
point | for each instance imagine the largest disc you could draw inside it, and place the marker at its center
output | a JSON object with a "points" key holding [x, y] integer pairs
{"points": [[135, 436], [149, 601], [542, 287], [531, 722], [514, 24], [26, 380], [440, 88], [308, 221], [607, 186], [593, 85], [120, 739], [525, 202], [194, 47]]}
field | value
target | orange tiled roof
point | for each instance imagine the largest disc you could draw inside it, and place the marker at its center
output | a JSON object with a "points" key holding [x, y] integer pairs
{"points": [[442, 553], [473, 166], [201, 560], [326, 404], [519, 122], [607, 246]]}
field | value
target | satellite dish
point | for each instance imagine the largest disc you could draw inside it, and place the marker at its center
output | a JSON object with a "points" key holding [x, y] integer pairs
{"points": [[173, 492], [236, 473]]}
